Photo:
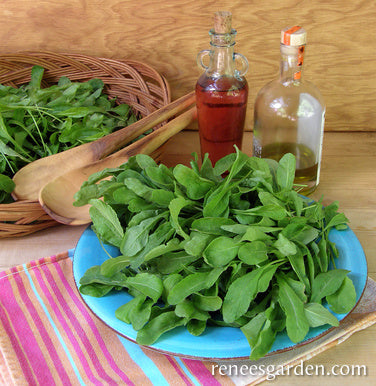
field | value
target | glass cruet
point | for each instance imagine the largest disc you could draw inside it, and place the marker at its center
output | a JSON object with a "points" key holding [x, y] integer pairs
{"points": [[221, 92]]}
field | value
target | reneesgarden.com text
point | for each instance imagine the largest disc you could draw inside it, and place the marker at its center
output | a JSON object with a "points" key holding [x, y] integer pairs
{"points": [[272, 371]]}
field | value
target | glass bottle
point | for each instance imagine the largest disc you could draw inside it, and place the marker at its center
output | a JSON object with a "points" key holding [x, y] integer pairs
{"points": [[221, 92], [289, 114]]}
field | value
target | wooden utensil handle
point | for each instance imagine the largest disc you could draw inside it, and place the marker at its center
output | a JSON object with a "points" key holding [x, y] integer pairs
{"points": [[146, 145], [157, 138], [116, 140]]}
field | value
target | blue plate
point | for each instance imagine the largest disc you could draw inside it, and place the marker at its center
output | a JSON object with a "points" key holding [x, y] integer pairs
{"points": [[216, 342]]}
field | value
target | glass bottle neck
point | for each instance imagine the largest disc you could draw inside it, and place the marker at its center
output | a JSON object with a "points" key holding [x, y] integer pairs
{"points": [[221, 54], [291, 64]]}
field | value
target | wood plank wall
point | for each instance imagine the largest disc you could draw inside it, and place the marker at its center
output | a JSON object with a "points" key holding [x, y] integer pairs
{"points": [[168, 34]]}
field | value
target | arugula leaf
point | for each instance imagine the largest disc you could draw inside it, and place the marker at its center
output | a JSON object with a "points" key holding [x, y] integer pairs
{"points": [[343, 300], [175, 262], [196, 327], [207, 302], [193, 283], [195, 185], [327, 283], [175, 207], [286, 172], [212, 225], [157, 326], [221, 251], [107, 224], [241, 293], [297, 325], [136, 312], [187, 309], [285, 246], [116, 264], [136, 237], [148, 284], [254, 252], [317, 315]]}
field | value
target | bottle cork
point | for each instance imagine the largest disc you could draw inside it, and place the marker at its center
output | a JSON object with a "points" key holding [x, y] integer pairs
{"points": [[294, 36], [222, 22]]}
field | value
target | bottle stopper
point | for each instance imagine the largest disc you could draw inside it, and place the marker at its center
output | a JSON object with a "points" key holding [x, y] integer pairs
{"points": [[222, 22], [294, 36]]}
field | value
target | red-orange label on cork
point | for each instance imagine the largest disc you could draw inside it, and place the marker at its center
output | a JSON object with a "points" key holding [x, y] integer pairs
{"points": [[293, 36], [287, 34]]}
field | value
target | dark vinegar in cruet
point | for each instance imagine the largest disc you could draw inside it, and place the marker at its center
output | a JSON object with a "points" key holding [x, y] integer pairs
{"points": [[221, 104]]}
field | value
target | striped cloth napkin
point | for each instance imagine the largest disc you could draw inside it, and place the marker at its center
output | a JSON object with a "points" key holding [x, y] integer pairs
{"points": [[48, 336]]}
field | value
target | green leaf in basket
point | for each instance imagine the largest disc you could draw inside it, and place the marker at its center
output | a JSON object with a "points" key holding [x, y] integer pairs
{"points": [[6, 184]]}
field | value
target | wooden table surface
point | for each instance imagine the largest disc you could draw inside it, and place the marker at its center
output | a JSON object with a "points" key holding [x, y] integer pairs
{"points": [[348, 175]]}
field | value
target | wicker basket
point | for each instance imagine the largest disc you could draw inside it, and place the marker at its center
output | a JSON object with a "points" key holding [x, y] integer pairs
{"points": [[129, 81]]}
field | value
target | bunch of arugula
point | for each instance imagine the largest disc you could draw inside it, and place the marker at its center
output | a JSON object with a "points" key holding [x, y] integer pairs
{"points": [[195, 248], [36, 122]]}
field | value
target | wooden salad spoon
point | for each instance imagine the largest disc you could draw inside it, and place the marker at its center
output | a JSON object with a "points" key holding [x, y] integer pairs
{"points": [[57, 196], [31, 178]]}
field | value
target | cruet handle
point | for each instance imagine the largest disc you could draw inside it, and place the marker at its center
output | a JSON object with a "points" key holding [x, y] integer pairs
{"points": [[244, 64], [200, 56]]}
